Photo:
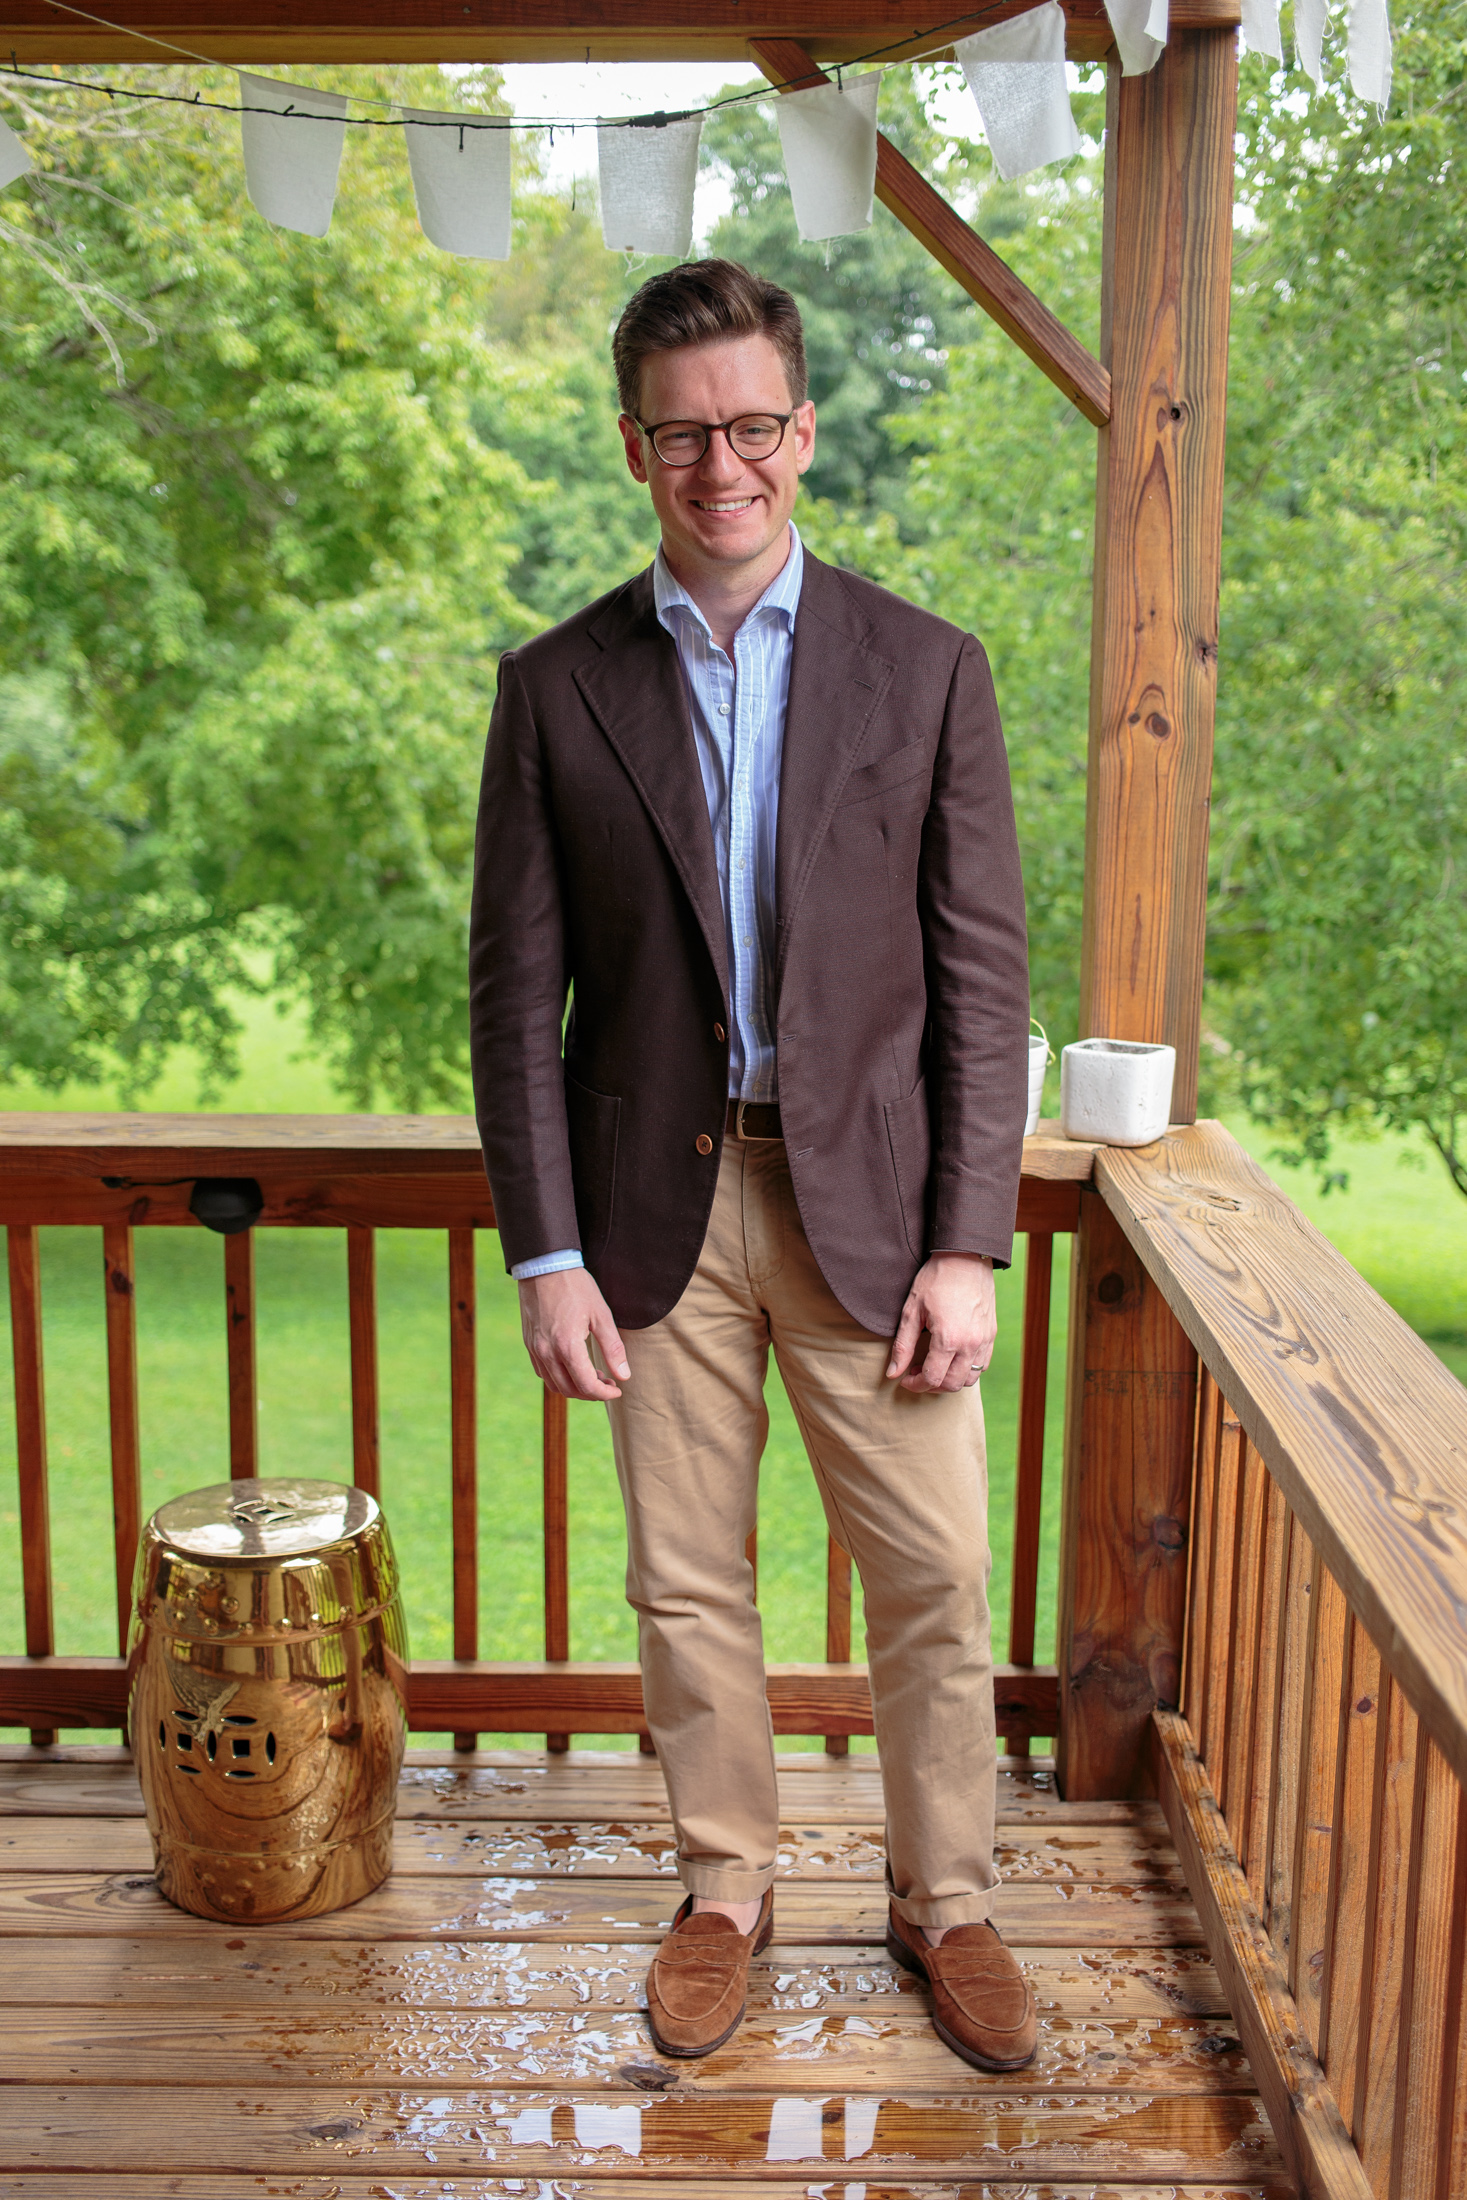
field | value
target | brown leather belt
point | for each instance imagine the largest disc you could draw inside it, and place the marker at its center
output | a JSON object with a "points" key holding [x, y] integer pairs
{"points": [[753, 1119]]}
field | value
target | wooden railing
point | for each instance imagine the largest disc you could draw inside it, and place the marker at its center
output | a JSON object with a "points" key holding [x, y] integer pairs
{"points": [[361, 1174], [1312, 1763]]}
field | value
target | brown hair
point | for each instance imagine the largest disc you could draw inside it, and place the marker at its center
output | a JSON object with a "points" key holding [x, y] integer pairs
{"points": [[706, 302]]}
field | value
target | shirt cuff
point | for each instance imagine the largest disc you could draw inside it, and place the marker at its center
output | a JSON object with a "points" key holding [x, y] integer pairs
{"points": [[546, 1264]]}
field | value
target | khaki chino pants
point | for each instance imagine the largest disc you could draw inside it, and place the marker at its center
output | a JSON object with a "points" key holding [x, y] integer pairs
{"points": [[903, 1479]]}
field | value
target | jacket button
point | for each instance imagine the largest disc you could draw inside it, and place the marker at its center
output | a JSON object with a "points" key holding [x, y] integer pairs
{"points": [[704, 1142], [719, 1033]]}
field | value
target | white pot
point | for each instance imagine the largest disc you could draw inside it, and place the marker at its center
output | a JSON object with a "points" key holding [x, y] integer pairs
{"points": [[1038, 1064], [1116, 1091]]}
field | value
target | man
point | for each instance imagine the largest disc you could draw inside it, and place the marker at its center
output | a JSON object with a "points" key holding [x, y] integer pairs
{"points": [[752, 814]]}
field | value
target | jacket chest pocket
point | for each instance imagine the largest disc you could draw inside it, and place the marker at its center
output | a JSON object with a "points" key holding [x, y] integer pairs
{"points": [[887, 771]]}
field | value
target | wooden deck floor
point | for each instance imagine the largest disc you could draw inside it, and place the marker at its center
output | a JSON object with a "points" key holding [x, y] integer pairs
{"points": [[474, 2028]]}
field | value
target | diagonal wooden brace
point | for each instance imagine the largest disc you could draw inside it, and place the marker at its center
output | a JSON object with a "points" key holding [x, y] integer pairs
{"points": [[959, 248]]}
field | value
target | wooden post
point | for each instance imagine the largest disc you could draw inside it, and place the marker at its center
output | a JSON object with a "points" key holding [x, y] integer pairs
{"points": [[1158, 533], [1130, 1423], [361, 1300], [30, 1447]]}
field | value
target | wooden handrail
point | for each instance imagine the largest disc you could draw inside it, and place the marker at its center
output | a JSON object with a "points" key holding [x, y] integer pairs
{"points": [[362, 1174], [1355, 1418]]}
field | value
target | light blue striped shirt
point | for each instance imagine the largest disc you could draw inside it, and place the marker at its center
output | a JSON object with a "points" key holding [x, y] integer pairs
{"points": [[737, 706]]}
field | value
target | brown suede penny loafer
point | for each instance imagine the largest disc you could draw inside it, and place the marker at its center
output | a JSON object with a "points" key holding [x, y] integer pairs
{"points": [[981, 2004], [698, 1986]]}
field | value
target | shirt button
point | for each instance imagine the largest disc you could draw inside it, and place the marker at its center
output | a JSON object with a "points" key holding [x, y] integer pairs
{"points": [[719, 1033], [723, 710], [704, 1143]]}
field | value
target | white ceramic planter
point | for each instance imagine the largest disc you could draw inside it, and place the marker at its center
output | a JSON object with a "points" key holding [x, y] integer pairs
{"points": [[1116, 1091], [1038, 1064]]}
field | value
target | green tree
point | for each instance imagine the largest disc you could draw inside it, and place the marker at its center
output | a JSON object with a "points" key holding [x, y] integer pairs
{"points": [[254, 567]]}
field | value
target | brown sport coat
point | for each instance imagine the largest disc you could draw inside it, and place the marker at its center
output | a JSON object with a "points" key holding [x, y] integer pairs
{"points": [[901, 983]]}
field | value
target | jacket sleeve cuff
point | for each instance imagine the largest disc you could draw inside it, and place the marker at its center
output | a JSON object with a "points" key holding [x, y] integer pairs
{"points": [[546, 1264]]}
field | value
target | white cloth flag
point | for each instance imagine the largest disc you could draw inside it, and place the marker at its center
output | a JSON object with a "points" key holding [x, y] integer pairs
{"points": [[15, 161], [291, 162], [1016, 73], [1368, 51], [460, 181], [1140, 33], [1261, 33], [648, 173], [828, 137], [1310, 17]]}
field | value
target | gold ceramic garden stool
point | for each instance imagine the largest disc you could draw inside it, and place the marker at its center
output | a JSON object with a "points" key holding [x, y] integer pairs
{"points": [[266, 1697]]}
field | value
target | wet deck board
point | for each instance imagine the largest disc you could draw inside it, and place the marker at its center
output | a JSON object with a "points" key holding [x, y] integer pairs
{"points": [[64, 2186], [474, 2027], [621, 1849], [582, 1784]]}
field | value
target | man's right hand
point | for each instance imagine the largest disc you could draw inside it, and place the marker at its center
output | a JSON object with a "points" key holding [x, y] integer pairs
{"points": [[559, 1313]]}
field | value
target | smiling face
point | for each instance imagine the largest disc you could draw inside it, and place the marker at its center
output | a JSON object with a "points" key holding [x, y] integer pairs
{"points": [[725, 515]]}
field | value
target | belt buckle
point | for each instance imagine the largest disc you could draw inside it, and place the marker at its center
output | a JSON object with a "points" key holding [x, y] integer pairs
{"points": [[739, 1130]]}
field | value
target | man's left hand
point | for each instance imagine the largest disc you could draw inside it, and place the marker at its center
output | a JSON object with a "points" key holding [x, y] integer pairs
{"points": [[952, 1301]]}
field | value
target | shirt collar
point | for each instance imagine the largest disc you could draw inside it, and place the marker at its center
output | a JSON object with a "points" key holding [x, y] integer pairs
{"points": [[782, 596]]}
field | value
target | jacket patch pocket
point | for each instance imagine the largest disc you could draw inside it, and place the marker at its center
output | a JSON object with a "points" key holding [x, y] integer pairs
{"points": [[592, 1120], [887, 771], [910, 1133]]}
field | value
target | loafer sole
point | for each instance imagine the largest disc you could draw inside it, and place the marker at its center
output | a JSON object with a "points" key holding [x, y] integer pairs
{"points": [[902, 1954], [691, 2054]]}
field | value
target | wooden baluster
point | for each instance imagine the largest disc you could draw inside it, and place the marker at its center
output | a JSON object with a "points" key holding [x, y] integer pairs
{"points": [[366, 1415], [1029, 1463], [30, 1446], [463, 1392], [239, 1316], [1199, 1554], [1283, 1825], [1428, 2159], [555, 1451], [837, 1625], [1216, 1679], [1242, 1639], [1353, 1819], [1388, 1923], [1257, 1792], [122, 1413], [1328, 1618]]}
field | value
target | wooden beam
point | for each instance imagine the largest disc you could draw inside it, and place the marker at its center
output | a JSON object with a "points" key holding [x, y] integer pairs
{"points": [[1129, 1428], [522, 30], [1302, 2109], [905, 192], [1158, 533], [120, 1271], [444, 1696], [1355, 1417]]}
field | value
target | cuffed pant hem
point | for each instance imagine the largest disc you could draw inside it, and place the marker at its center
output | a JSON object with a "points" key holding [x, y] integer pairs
{"points": [[717, 1885], [953, 1909]]}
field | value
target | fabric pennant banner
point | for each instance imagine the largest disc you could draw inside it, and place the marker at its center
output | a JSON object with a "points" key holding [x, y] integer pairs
{"points": [[828, 137], [1140, 33], [648, 173], [1016, 73], [292, 151], [1310, 17], [15, 161], [461, 181], [1368, 51], [1261, 33]]}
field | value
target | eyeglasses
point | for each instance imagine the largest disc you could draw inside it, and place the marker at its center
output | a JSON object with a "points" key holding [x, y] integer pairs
{"points": [[684, 442]]}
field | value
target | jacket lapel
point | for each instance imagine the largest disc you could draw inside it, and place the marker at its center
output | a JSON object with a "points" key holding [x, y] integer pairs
{"points": [[836, 683], [634, 690]]}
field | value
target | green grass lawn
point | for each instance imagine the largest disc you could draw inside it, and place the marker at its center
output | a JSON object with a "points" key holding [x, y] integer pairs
{"points": [[1401, 1224]]}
